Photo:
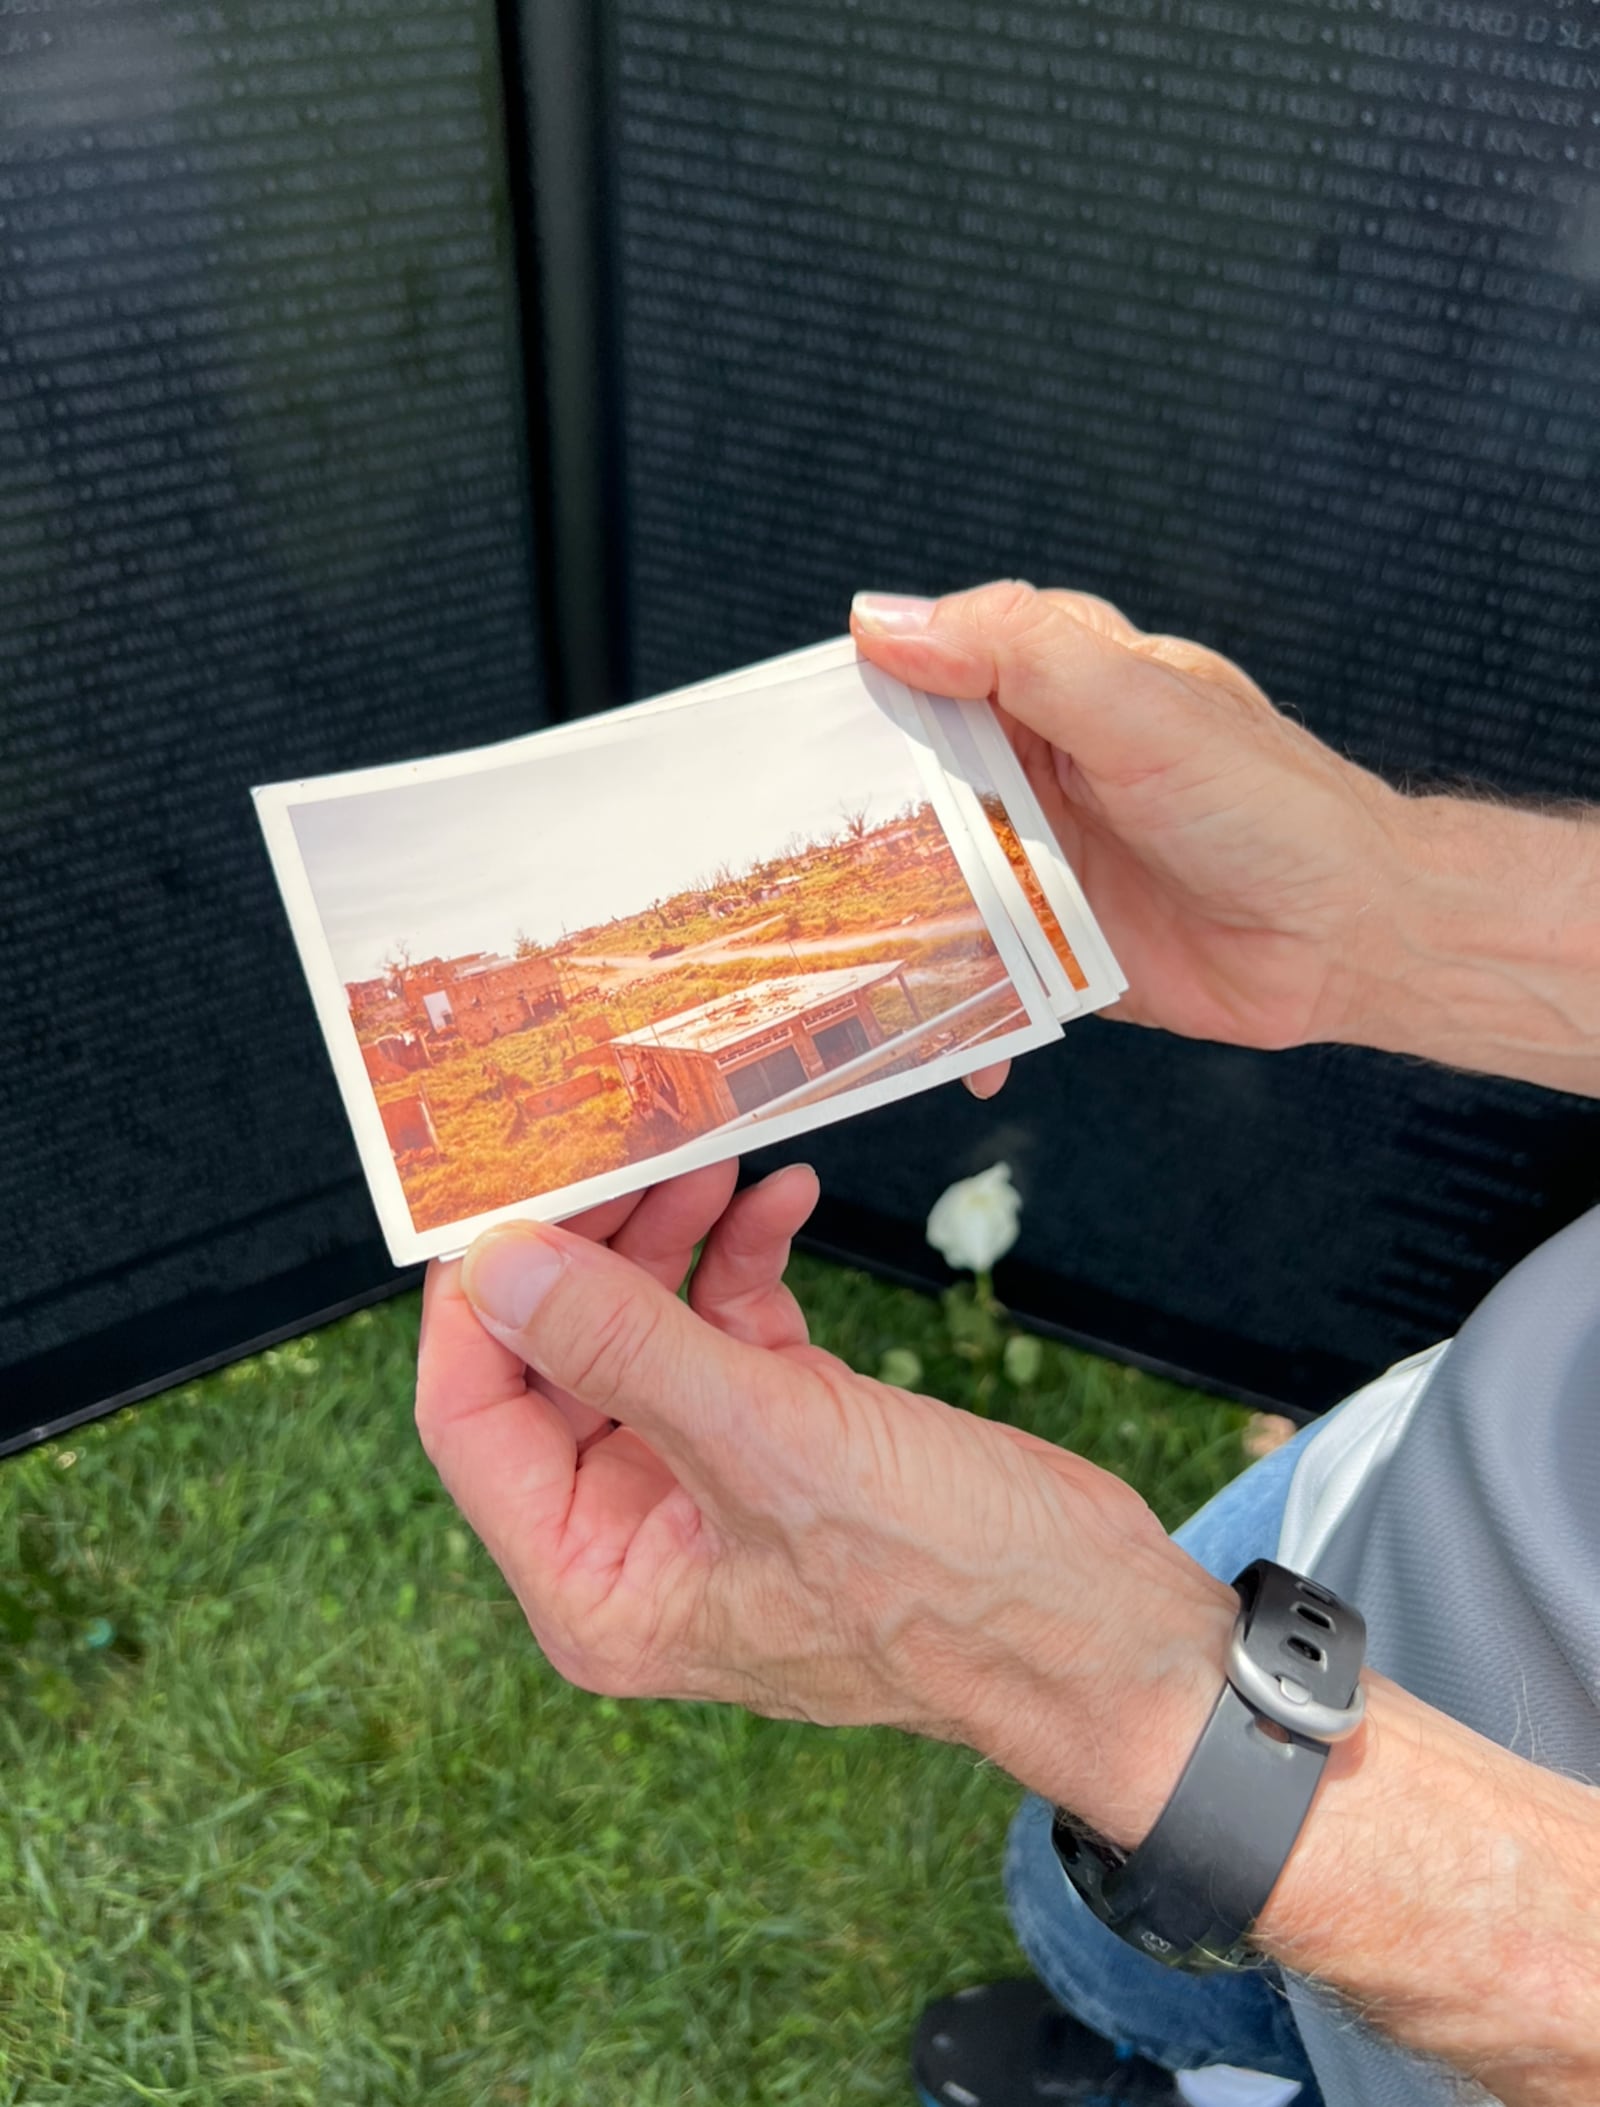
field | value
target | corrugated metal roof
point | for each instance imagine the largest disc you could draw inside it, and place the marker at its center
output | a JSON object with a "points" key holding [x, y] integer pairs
{"points": [[711, 1027]]}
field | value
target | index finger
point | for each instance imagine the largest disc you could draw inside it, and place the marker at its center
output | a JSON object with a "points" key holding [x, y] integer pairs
{"points": [[1066, 665]]}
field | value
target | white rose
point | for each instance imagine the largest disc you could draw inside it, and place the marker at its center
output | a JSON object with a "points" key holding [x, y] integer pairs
{"points": [[976, 1220]]}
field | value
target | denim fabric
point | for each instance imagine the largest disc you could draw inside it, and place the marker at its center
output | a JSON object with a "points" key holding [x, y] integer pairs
{"points": [[1180, 2021]]}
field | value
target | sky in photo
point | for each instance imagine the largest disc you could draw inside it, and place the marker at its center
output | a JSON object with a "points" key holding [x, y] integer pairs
{"points": [[572, 836]]}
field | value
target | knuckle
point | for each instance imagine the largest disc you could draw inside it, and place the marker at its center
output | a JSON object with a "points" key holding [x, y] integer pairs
{"points": [[1192, 661], [1208, 677], [737, 1284], [1006, 605], [1182, 655], [1088, 611], [714, 1297], [615, 1352]]}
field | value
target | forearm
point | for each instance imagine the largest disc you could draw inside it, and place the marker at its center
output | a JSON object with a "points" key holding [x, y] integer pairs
{"points": [[1442, 1886], [1483, 945], [1447, 1889]]}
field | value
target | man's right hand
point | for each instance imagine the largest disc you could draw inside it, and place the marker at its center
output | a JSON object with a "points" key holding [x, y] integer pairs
{"points": [[1242, 871]]}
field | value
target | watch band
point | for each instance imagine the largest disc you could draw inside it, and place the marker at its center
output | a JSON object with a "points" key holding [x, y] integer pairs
{"points": [[1189, 1895]]}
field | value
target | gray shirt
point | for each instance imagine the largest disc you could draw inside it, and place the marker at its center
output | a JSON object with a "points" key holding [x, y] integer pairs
{"points": [[1459, 1509]]}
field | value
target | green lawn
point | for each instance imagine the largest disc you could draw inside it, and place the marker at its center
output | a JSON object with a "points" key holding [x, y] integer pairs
{"points": [[293, 1811]]}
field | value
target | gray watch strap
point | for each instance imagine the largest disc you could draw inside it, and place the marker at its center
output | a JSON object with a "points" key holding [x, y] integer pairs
{"points": [[1190, 1893]]}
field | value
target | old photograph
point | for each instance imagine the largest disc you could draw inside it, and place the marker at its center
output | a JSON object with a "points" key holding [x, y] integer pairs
{"points": [[1026, 863], [617, 946]]}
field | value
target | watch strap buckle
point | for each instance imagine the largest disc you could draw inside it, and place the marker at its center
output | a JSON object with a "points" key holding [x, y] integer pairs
{"points": [[1292, 1659], [1190, 1893]]}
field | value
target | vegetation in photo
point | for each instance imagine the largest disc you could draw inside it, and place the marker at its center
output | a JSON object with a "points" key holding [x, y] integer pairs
{"points": [[500, 1077]]}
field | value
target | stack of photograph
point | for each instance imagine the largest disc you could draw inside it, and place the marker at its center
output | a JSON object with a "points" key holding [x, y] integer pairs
{"points": [[560, 968]]}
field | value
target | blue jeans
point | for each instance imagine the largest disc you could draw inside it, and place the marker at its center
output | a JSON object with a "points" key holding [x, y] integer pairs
{"points": [[1180, 2021]]}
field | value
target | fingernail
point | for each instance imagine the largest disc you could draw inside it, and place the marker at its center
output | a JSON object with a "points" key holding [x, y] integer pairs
{"points": [[892, 614], [508, 1273]]}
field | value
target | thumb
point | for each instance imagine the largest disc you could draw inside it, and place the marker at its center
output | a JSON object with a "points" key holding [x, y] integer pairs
{"points": [[1067, 665], [597, 1326]]}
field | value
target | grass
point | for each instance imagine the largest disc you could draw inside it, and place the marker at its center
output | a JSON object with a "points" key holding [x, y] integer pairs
{"points": [[294, 1812]]}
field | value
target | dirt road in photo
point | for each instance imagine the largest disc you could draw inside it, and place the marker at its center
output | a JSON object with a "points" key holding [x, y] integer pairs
{"points": [[600, 967]]}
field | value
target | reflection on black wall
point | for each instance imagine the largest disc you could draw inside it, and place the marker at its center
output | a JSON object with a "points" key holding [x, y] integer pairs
{"points": [[263, 511], [1277, 322]]}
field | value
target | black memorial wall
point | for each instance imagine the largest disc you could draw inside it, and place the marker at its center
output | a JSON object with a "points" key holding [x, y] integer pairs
{"points": [[1276, 322], [264, 510]]}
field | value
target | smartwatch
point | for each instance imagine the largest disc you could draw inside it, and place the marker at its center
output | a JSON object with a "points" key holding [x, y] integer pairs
{"points": [[1190, 1893]]}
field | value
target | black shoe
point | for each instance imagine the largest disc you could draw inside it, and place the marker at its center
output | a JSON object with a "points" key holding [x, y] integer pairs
{"points": [[1011, 2045]]}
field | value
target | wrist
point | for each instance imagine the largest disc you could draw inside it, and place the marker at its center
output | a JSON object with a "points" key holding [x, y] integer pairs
{"points": [[1481, 947], [1441, 1886], [1103, 1722], [1445, 1887]]}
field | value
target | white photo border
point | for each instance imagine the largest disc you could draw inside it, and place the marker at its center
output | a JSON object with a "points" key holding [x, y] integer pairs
{"points": [[275, 804], [1065, 1000], [1058, 880]]}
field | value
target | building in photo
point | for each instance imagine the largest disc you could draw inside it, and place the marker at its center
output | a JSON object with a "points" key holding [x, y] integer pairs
{"points": [[395, 1055], [365, 996], [414, 979], [494, 996], [708, 1065], [408, 1125]]}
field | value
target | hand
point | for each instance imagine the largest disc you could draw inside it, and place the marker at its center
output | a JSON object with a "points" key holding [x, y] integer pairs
{"points": [[1233, 860], [692, 1501], [764, 1525]]}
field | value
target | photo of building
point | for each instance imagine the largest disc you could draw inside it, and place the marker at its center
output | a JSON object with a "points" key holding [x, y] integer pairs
{"points": [[709, 1064], [491, 997], [617, 946]]}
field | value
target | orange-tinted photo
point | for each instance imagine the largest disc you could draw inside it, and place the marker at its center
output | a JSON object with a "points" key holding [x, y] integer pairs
{"points": [[594, 955]]}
